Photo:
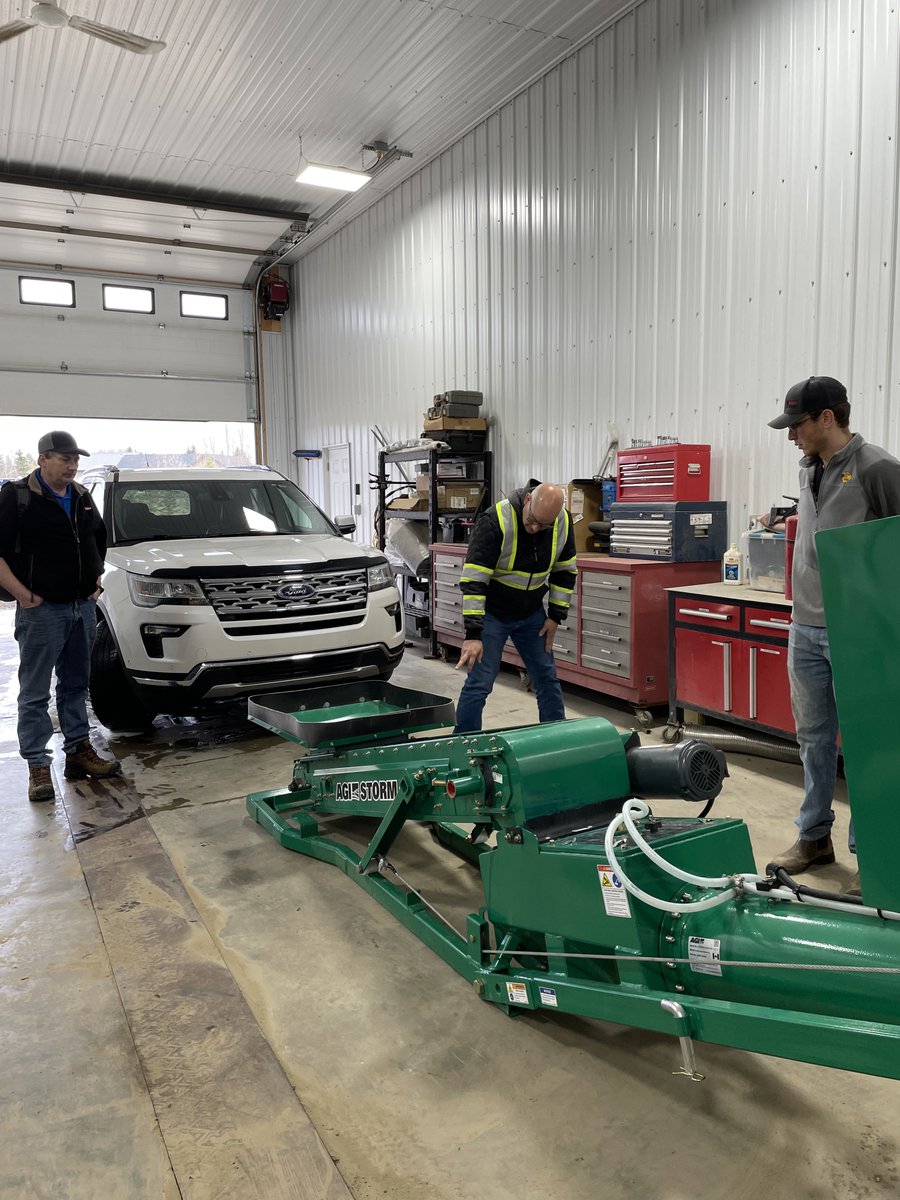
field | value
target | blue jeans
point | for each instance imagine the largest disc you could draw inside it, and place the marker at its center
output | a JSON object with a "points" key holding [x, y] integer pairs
{"points": [[538, 663], [815, 714], [53, 636]]}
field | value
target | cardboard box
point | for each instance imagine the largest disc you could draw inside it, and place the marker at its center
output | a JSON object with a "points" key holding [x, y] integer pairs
{"points": [[452, 470], [445, 471], [408, 504], [585, 503], [459, 497], [470, 423]]}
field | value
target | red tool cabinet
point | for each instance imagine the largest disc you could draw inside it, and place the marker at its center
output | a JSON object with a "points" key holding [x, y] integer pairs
{"points": [[729, 656], [670, 472]]}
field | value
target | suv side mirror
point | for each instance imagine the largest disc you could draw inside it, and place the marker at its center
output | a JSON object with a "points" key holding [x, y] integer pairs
{"points": [[346, 525]]}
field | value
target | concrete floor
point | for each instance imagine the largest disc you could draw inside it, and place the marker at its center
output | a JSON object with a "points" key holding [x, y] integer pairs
{"points": [[190, 1010]]}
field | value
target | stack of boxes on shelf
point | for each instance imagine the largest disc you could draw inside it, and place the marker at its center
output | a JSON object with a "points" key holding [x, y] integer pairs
{"points": [[662, 510], [454, 418]]}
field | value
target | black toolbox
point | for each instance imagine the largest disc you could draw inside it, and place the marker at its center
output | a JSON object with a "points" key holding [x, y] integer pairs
{"points": [[670, 531]]}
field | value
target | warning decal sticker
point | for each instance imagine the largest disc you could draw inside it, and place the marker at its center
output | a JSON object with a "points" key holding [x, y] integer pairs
{"points": [[517, 993], [615, 898]]}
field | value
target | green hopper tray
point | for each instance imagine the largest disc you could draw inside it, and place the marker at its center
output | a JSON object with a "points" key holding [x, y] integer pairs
{"points": [[350, 713]]}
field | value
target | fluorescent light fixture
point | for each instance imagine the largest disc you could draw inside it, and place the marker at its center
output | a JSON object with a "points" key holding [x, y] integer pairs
{"points": [[337, 178]]}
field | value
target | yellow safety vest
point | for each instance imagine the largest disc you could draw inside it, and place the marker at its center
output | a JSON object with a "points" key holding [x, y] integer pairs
{"points": [[504, 571]]}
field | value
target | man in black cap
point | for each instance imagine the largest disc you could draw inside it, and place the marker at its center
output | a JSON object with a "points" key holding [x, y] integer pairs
{"points": [[843, 481], [52, 546]]}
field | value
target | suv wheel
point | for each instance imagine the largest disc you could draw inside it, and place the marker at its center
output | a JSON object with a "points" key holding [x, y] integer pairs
{"points": [[113, 701]]}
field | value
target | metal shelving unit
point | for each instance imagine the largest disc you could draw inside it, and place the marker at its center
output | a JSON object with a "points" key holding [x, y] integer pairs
{"points": [[389, 478]]}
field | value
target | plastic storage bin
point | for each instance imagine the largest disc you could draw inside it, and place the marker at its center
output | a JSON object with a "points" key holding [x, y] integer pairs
{"points": [[765, 561]]}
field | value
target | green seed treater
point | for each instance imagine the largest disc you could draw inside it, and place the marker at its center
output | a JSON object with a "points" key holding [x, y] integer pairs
{"points": [[593, 905]]}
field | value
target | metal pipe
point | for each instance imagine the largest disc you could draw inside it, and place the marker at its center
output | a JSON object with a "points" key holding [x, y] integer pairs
{"points": [[742, 743]]}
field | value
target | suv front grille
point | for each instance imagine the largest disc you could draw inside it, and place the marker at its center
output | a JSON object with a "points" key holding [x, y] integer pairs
{"points": [[283, 599]]}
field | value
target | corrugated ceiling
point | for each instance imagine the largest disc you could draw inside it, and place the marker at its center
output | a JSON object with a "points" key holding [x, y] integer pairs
{"points": [[215, 117]]}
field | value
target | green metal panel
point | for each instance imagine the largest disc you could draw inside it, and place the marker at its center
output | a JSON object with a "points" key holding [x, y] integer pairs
{"points": [[557, 888], [564, 765], [860, 567]]}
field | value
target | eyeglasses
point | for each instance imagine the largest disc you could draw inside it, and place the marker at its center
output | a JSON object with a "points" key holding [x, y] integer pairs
{"points": [[530, 519], [803, 420]]}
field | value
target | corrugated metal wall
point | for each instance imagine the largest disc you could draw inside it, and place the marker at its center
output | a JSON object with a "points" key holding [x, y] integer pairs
{"points": [[694, 211]]}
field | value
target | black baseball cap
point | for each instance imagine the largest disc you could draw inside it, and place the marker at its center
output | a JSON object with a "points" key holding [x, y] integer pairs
{"points": [[812, 395], [60, 442]]}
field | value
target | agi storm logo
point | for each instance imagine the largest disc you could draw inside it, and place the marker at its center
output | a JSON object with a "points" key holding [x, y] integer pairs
{"points": [[366, 789]]}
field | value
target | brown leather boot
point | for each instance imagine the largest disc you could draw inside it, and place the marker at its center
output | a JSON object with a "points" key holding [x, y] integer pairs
{"points": [[805, 853], [40, 784], [87, 762]]}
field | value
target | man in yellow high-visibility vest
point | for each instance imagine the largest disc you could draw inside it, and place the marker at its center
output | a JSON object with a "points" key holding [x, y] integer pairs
{"points": [[521, 550]]}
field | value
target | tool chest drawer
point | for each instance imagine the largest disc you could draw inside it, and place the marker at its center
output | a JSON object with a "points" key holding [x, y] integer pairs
{"points": [[707, 612], [767, 622], [614, 632], [604, 585], [604, 658]]}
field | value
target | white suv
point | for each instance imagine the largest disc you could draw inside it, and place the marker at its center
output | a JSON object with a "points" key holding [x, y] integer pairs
{"points": [[221, 583]]}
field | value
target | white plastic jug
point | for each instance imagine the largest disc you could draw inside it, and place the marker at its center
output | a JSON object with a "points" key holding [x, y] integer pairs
{"points": [[732, 565]]}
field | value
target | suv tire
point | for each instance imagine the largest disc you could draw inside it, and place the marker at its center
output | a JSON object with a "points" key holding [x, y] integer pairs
{"points": [[113, 701]]}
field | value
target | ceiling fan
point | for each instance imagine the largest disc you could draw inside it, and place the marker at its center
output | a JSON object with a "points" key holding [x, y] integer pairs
{"points": [[54, 16]]}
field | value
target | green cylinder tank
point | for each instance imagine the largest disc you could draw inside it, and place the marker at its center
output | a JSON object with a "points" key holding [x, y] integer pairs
{"points": [[761, 931]]}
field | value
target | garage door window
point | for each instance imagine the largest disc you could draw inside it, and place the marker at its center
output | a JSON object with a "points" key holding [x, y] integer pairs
{"points": [[118, 298], [204, 304], [58, 292]]}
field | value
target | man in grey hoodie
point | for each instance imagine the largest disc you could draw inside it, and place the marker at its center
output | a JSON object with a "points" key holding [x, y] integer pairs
{"points": [[843, 481]]}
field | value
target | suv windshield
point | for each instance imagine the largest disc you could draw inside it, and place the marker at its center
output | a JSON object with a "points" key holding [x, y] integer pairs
{"points": [[205, 508]]}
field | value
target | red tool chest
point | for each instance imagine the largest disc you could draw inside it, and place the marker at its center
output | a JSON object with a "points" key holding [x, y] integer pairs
{"points": [[670, 472]]}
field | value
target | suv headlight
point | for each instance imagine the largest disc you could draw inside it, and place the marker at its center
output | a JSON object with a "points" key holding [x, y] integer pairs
{"points": [[148, 593], [379, 577]]}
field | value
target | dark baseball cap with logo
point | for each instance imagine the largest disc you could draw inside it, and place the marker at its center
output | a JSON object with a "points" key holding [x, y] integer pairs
{"points": [[811, 396], [60, 442]]}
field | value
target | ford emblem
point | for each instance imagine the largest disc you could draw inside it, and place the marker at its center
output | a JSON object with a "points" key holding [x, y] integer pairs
{"points": [[296, 591]]}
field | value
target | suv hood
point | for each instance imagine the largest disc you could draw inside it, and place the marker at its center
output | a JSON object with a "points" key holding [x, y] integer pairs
{"points": [[270, 551]]}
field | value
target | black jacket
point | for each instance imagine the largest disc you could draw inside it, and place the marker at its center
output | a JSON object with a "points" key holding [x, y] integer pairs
{"points": [[59, 559], [484, 592]]}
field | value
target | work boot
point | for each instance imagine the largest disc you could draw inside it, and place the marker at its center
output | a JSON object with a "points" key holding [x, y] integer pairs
{"points": [[805, 853], [853, 888], [40, 784], [87, 762]]}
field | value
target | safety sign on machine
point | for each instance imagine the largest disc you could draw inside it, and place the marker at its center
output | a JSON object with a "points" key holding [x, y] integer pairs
{"points": [[704, 954], [615, 898], [517, 993]]}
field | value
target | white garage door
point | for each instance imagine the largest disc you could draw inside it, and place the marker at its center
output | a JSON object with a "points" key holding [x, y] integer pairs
{"points": [[181, 354]]}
